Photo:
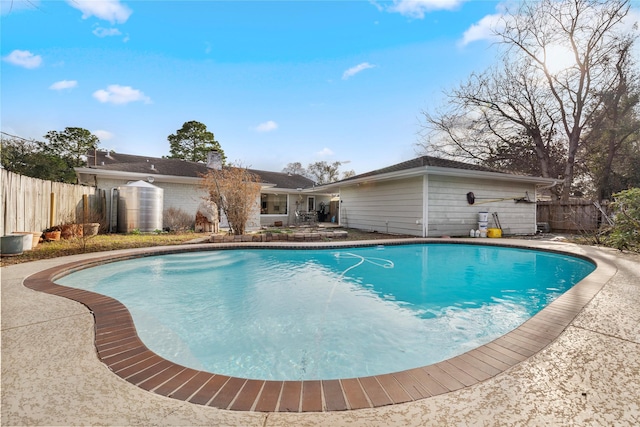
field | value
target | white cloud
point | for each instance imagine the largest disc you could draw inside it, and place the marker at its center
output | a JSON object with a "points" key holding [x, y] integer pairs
{"points": [[482, 30], [106, 32], [64, 84], [267, 126], [103, 135], [23, 58], [108, 10], [116, 94], [325, 152], [417, 8], [355, 70]]}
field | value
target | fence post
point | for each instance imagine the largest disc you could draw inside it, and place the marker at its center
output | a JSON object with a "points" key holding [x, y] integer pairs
{"points": [[85, 208], [52, 211]]}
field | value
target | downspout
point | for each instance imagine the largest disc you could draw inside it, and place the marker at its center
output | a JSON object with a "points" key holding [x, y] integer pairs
{"points": [[111, 210], [425, 206], [555, 182]]}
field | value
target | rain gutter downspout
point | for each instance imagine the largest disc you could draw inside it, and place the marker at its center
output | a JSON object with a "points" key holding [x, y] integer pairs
{"points": [[425, 206], [111, 210], [555, 182]]}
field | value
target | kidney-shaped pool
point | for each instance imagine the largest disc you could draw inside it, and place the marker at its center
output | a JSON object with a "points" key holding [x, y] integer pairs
{"points": [[330, 313]]}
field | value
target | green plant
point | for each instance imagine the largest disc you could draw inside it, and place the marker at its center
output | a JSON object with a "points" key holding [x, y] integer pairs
{"points": [[135, 231], [625, 233]]}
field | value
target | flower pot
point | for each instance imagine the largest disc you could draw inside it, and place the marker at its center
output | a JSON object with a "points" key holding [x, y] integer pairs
{"points": [[52, 235], [35, 236], [11, 244], [91, 229], [69, 231]]}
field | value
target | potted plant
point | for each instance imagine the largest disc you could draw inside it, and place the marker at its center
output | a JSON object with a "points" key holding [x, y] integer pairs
{"points": [[91, 228], [70, 230], [52, 233]]}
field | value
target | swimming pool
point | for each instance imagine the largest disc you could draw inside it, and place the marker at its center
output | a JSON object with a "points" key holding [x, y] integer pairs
{"points": [[330, 313]]}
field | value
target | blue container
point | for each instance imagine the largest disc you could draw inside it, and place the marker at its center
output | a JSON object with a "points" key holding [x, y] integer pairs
{"points": [[11, 244]]}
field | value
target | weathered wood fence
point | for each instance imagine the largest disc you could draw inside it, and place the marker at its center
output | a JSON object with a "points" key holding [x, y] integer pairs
{"points": [[574, 216], [31, 204]]}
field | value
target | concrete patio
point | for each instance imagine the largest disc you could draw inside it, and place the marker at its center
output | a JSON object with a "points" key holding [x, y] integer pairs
{"points": [[589, 376]]}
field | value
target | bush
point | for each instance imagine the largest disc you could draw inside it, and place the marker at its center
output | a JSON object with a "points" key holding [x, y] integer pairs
{"points": [[625, 233], [176, 219]]}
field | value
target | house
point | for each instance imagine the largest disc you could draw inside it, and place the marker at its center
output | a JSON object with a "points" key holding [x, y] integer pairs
{"points": [[433, 197], [282, 195]]}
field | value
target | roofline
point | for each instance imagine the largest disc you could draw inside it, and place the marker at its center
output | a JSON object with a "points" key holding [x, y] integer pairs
{"points": [[438, 170], [135, 176]]}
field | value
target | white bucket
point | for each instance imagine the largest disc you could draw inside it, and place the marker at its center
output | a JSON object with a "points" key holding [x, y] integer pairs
{"points": [[483, 216], [483, 225]]}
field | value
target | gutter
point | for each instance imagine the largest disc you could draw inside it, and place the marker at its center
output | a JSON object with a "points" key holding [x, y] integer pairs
{"points": [[440, 171]]}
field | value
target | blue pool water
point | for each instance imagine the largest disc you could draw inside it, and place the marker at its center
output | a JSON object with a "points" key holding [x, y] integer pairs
{"points": [[325, 314]]}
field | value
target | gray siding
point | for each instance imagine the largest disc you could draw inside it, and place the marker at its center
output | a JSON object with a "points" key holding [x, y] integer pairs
{"points": [[451, 215], [394, 207], [397, 206]]}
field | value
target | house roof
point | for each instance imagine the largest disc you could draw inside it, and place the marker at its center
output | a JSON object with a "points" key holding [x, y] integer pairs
{"points": [[103, 162], [425, 161], [436, 166]]}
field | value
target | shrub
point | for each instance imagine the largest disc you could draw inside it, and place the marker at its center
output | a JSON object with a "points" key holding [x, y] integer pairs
{"points": [[176, 219], [625, 233], [235, 190]]}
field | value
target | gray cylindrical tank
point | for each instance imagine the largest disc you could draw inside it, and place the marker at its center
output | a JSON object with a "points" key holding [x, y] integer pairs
{"points": [[140, 207]]}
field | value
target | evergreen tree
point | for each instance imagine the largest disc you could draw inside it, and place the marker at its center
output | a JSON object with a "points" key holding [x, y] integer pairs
{"points": [[193, 142]]}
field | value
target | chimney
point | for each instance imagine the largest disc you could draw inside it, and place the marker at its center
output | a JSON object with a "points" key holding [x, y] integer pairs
{"points": [[214, 160]]}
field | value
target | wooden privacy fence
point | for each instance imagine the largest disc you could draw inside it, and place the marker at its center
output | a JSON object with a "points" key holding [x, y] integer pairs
{"points": [[578, 215], [31, 204]]}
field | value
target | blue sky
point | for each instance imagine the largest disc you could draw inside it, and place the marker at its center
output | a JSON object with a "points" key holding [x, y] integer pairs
{"points": [[276, 82]]}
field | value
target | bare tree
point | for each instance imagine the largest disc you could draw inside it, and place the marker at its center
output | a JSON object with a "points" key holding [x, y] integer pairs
{"points": [[527, 95], [235, 191], [323, 172], [295, 168], [494, 118], [348, 174]]}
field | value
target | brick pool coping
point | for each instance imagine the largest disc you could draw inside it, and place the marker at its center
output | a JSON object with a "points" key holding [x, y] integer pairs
{"points": [[120, 349]]}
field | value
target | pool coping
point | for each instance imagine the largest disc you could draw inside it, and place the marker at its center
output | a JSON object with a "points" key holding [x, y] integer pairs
{"points": [[119, 348]]}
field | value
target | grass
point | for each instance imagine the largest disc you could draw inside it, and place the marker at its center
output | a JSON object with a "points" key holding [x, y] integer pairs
{"points": [[102, 242], [110, 242]]}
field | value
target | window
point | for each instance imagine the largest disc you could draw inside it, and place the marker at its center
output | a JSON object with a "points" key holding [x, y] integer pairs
{"points": [[273, 204]]}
